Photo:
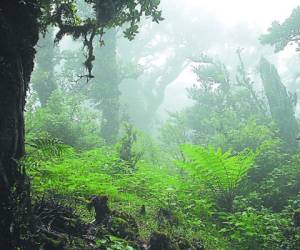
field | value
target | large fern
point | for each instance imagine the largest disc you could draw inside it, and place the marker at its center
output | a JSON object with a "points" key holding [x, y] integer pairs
{"points": [[219, 172]]}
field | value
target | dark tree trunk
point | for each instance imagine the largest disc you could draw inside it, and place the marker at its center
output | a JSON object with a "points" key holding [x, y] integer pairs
{"points": [[19, 34], [280, 103]]}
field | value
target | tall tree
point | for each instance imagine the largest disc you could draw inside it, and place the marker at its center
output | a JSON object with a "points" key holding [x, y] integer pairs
{"points": [[152, 80], [43, 81], [155, 83], [105, 88], [280, 103]]}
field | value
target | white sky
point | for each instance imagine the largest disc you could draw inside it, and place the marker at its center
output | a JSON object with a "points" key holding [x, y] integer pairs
{"points": [[232, 12]]}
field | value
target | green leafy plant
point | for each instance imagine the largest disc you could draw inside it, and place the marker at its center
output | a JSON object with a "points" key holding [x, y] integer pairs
{"points": [[128, 157], [68, 118], [220, 172], [252, 229]]}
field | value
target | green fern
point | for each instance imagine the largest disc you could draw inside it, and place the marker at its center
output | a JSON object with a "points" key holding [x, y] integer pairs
{"points": [[219, 172], [45, 145]]}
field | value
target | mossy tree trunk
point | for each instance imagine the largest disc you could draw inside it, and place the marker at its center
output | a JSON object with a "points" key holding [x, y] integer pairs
{"points": [[18, 36], [280, 103]]}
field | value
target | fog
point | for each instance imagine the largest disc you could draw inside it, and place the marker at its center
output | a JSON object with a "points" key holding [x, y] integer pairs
{"points": [[148, 124], [232, 12], [162, 55], [236, 20], [217, 28]]}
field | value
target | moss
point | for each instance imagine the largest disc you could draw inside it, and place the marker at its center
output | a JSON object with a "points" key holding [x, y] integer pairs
{"points": [[123, 228]]}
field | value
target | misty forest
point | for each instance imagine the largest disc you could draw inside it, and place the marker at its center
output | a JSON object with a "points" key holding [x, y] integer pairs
{"points": [[150, 125]]}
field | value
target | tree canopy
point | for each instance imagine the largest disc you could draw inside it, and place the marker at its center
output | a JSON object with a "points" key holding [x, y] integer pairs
{"points": [[283, 34], [107, 14]]}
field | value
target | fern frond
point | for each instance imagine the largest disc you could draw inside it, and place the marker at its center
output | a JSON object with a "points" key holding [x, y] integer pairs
{"points": [[217, 170]]}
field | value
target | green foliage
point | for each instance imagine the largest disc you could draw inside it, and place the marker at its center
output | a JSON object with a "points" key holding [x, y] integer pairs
{"points": [[67, 118], [239, 193], [270, 156], [213, 172], [215, 83], [280, 186], [43, 146], [114, 243], [211, 72], [253, 229], [219, 172], [262, 228], [107, 14], [128, 158], [68, 174], [249, 134], [151, 151], [173, 134], [281, 35], [93, 172], [222, 107]]}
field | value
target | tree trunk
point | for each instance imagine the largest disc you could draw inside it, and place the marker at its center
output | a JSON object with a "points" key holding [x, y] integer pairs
{"points": [[105, 88], [19, 34], [280, 103], [43, 77]]}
